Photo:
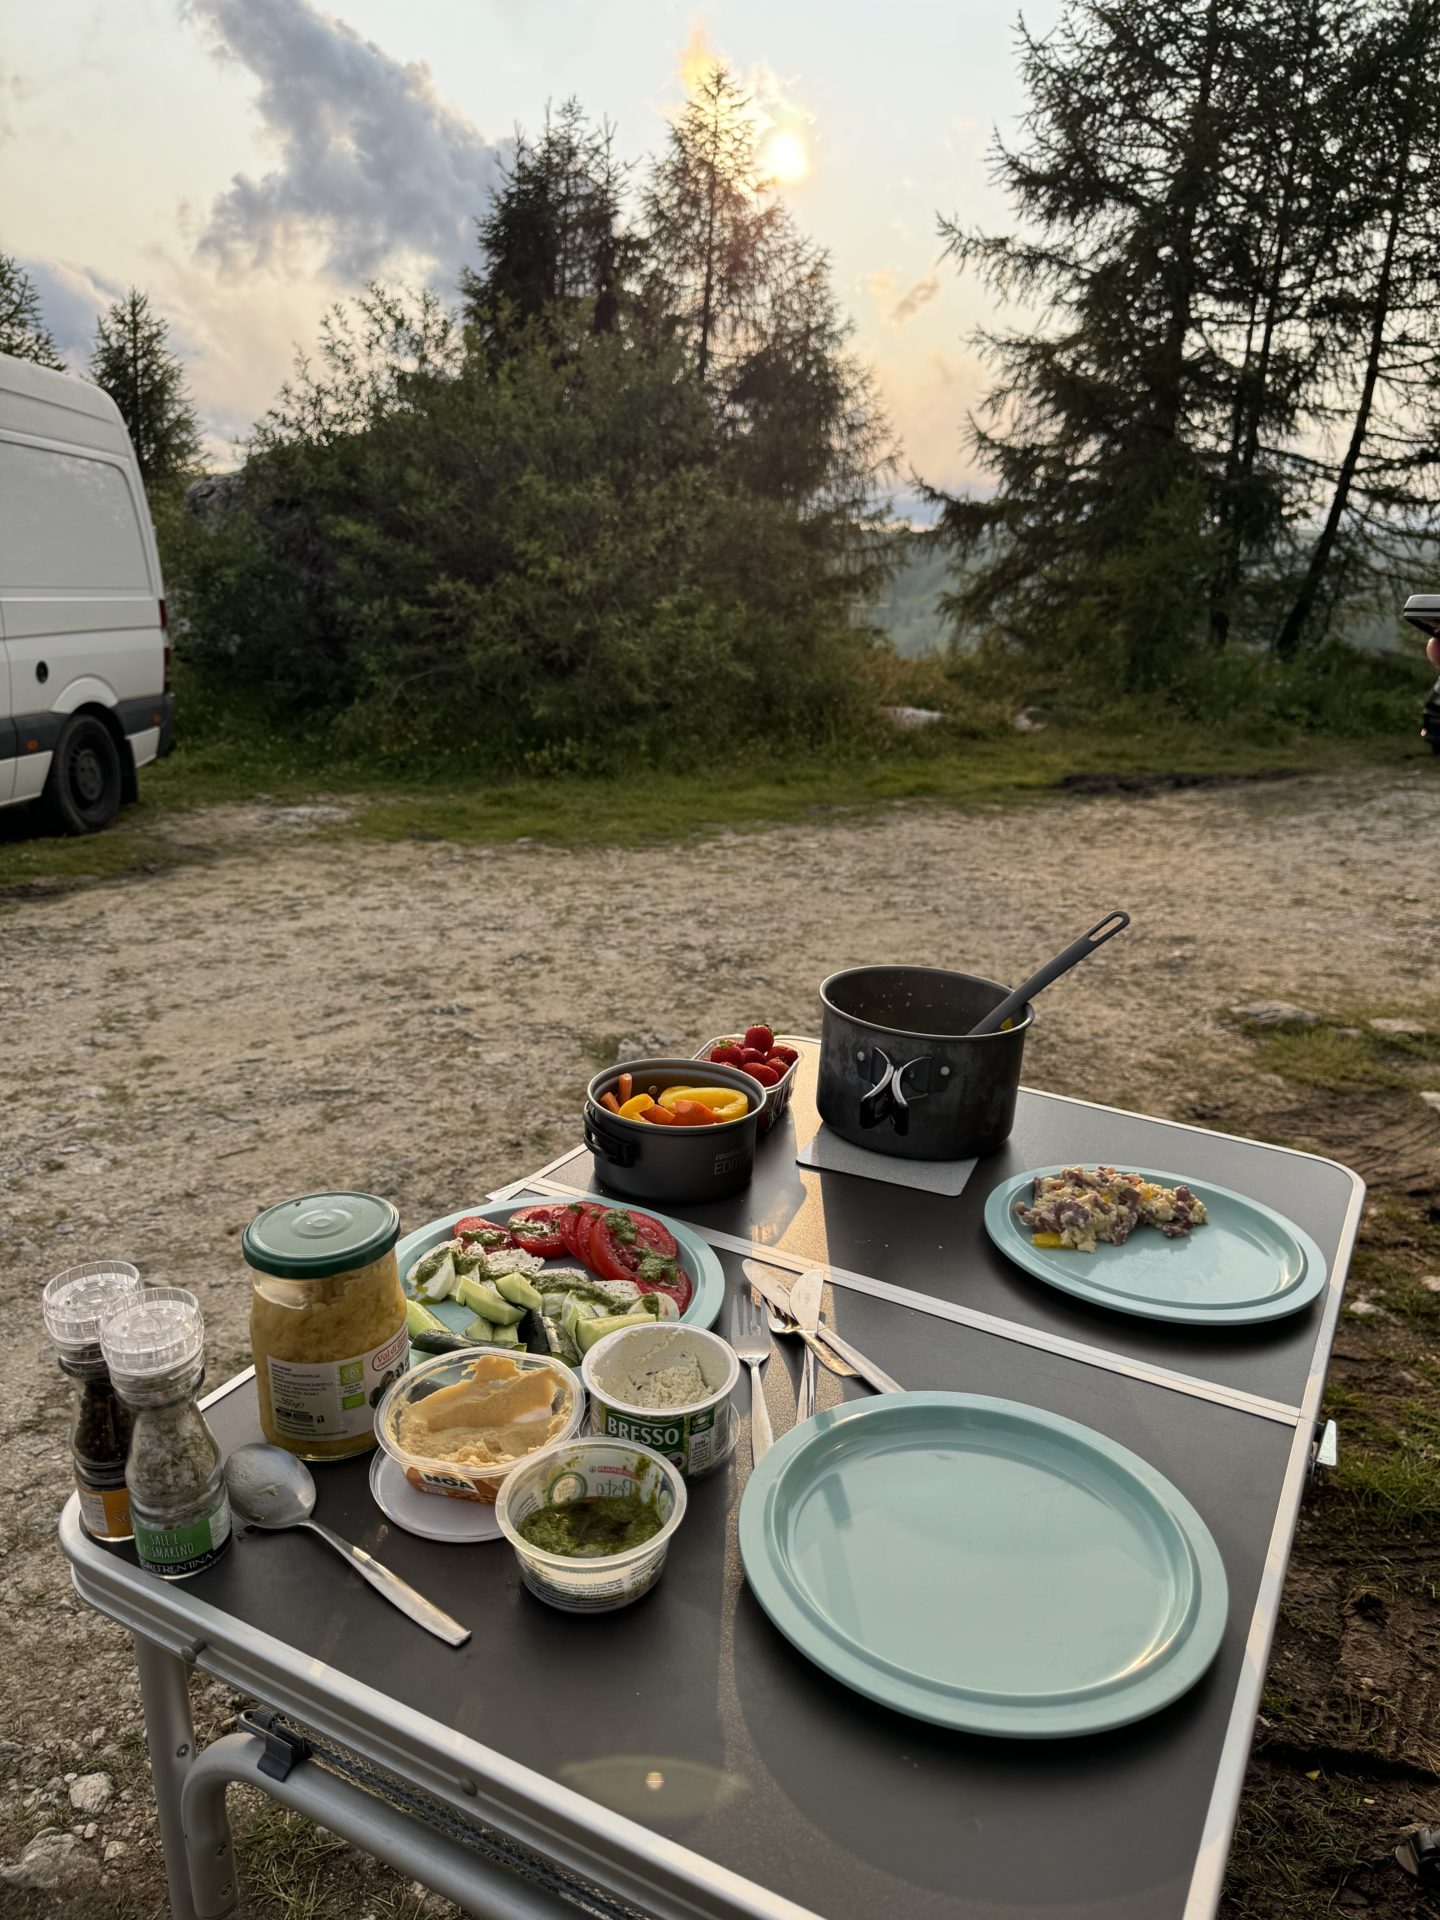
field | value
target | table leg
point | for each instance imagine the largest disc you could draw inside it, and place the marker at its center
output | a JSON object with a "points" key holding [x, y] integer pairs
{"points": [[170, 1736]]}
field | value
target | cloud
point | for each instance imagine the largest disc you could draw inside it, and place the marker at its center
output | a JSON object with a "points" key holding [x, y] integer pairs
{"points": [[910, 302], [72, 298], [881, 283], [771, 105], [373, 169]]}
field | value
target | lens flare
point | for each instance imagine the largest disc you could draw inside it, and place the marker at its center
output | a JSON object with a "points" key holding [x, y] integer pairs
{"points": [[783, 156]]}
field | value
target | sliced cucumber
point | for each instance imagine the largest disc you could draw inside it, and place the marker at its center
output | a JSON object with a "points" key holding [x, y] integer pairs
{"points": [[505, 1337], [519, 1291], [587, 1332], [482, 1298], [479, 1333]]}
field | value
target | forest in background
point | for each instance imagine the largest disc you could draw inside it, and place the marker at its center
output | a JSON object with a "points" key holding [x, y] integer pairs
{"points": [[636, 482]]}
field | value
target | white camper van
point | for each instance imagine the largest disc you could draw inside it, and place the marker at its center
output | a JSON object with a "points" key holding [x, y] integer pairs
{"points": [[85, 697]]}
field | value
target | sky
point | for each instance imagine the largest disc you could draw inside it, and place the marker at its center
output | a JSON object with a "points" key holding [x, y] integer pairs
{"points": [[248, 162]]}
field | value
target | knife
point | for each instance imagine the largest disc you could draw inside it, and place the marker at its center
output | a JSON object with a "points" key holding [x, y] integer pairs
{"points": [[805, 1312], [763, 1280]]}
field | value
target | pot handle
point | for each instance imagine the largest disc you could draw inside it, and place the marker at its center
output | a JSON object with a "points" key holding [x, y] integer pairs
{"points": [[900, 1118], [875, 1105], [606, 1145]]}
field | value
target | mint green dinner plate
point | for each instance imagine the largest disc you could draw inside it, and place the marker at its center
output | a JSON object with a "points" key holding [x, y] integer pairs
{"points": [[983, 1565], [706, 1274], [1248, 1263]]}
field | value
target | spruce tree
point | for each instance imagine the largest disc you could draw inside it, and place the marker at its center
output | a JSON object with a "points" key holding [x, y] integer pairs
{"points": [[23, 332], [554, 235], [132, 360]]}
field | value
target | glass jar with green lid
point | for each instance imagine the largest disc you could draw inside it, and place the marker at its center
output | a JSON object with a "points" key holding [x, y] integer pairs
{"points": [[327, 1320]]}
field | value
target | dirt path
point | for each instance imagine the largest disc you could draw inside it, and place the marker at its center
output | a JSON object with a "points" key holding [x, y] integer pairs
{"points": [[420, 1020]]}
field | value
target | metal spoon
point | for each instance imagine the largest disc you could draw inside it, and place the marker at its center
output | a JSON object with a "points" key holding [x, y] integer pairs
{"points": [[1071, 956], [270, 1488]]}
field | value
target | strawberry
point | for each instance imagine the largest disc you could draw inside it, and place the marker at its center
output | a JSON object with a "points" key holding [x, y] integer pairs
{"points": [[766, 1075], [782, 1067], [727, 1054], [786, 1054], [761, 1039], [751, 1057]]}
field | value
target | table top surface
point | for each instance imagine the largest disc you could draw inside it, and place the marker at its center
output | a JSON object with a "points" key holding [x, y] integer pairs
{"points": [[688, 1719]]}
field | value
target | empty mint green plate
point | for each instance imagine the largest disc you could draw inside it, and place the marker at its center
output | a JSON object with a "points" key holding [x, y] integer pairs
{"points": [[983, 1565], [1246, 1264]]}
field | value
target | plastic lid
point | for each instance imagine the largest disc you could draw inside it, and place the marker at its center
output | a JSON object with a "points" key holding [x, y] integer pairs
{"points": [[163, 1328], [320, 1234], [76, 1301]]}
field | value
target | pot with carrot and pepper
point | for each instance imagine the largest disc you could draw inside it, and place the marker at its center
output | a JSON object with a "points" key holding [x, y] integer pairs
{"points": [[673, 1129]]}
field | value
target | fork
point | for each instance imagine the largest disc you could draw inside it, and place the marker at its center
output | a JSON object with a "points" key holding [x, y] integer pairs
{"points": [[753, 1345]]}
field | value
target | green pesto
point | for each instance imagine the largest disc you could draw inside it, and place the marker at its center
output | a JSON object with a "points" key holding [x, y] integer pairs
{"points": [[593, 1529]]}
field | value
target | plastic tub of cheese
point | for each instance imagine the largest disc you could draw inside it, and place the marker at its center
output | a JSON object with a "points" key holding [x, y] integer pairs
{"points": [[670, 1387], [456, 1425], [591, 1522]]}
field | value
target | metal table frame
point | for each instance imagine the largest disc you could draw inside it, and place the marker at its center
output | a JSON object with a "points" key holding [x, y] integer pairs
{"points": [[612, 1863]]}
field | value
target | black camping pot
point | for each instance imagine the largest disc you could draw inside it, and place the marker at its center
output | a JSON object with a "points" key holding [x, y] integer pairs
{"points": [[680, 1164], [900, 1072]]}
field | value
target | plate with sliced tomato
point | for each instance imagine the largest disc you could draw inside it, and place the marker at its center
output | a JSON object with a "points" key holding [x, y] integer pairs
{"points": [[613, 1242]]}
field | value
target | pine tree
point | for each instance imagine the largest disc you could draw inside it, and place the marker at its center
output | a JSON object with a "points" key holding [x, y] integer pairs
{"points": [[1382, 488], [1178, 179], [23, 333], [133, 362], [712, 226]]}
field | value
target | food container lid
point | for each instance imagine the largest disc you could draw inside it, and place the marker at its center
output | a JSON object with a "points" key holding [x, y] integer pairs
{"points": [[76, 1301], [320, 1234], [160, 1329]]}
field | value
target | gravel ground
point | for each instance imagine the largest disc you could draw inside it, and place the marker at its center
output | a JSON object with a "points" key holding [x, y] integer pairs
{"points": [[303, 1009]]}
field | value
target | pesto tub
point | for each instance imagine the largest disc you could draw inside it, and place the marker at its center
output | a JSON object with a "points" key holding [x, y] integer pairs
{"points": [[670, 1387], [535, 1493]]}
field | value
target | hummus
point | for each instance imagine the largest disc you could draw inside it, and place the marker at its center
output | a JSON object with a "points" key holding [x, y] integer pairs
{"points": [[498, 1413]]}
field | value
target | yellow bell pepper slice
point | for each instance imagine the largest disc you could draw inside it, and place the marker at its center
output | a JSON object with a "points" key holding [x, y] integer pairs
{"points": [[1036, 1239], [726, 1103], [637, 1104]]}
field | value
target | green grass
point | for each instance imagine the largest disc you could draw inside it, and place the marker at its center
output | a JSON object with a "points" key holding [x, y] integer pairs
{"points": [[730, 789], [1343, 1054]]}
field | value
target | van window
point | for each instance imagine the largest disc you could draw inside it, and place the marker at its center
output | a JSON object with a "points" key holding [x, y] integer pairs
{"points": [[67, 522]]}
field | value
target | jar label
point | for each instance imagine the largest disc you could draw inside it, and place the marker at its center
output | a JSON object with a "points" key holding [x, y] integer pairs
{"points": [[335, 1400], [104, 1512], [182, 1550]]}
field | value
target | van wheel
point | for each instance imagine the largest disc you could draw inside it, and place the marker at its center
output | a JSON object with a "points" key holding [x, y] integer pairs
{"points": [[82, 791]]}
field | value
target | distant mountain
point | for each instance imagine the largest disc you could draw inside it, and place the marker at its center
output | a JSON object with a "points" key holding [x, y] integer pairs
{"points": [[907, 609]]}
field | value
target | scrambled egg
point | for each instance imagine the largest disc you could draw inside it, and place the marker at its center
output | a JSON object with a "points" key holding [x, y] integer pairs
{"points": [[1081, 1206]]}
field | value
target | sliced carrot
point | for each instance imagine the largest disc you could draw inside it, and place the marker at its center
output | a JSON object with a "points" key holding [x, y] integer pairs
{"points": [[660, 1116], [624, 1087], [607, 1099]]}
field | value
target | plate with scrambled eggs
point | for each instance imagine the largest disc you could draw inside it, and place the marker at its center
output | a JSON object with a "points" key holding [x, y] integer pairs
{"points": [[1142, 1241]]}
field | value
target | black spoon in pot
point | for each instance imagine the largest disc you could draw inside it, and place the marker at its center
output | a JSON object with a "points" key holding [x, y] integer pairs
{"points": [[1071, 956]]}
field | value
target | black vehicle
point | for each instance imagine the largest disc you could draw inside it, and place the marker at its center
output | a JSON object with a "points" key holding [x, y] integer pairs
{"points": [[1423, 610]]}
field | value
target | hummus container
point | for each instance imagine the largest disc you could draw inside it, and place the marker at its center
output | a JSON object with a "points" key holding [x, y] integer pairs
{"points": [[696, 1435], [587, 1470], [460, 1480]]}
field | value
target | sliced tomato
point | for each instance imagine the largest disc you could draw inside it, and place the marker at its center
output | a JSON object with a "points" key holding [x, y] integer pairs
{"points": [[481, 1232], [537, 1230], [656, 1235], [671, 1278], [611, 1256], [589, 1212]]}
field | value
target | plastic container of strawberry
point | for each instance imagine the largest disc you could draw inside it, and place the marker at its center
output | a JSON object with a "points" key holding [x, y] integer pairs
{"points": [[777, 1098]]}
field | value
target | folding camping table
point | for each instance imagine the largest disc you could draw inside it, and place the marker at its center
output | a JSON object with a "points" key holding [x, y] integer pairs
{"points": [[679, 1759]]}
